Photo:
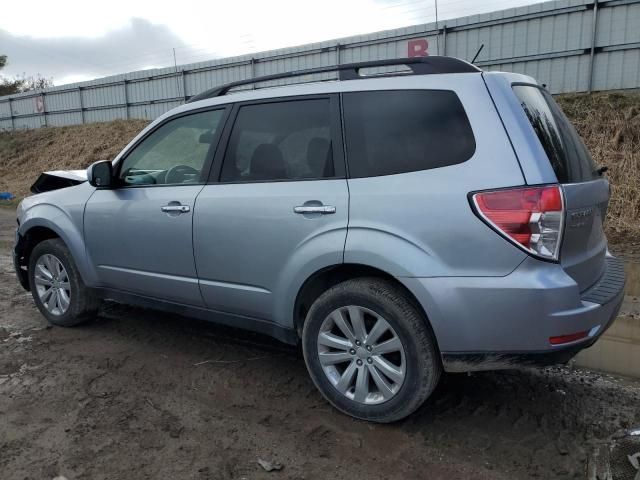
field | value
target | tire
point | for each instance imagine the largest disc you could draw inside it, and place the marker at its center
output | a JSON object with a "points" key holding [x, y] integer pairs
{"points": [[418, 357], [82, 302]]}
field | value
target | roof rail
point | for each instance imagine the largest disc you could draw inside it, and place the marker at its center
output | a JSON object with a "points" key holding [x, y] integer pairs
{"points": [[351, 71]]}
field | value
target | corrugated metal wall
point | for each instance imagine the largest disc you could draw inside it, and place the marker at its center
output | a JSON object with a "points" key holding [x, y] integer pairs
{"points": [[571, 45]]}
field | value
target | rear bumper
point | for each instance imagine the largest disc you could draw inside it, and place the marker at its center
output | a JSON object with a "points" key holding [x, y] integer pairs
{"points": [[488, 323], [467, 362]]}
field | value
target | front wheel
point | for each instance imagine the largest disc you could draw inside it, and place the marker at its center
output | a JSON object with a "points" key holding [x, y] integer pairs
{"points": [[369, 350], [56, 286]]}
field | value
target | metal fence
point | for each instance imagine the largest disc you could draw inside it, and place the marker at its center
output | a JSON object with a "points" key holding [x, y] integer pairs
{"points": [[571, 45]]}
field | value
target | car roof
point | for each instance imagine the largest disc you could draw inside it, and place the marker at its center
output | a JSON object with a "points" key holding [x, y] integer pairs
{"points": [[429, 65], [449, 81], [326, 87]]}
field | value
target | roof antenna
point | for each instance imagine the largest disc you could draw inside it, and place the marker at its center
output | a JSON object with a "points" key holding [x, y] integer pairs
{"points": [[477, 53]]}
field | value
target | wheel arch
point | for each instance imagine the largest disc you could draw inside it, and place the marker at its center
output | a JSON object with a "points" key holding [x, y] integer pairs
{"points": [[35, 229], [25, 245], [323, 279]]}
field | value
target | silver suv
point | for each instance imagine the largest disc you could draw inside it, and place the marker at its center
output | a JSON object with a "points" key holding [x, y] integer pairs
{"points": [[396, 224]]}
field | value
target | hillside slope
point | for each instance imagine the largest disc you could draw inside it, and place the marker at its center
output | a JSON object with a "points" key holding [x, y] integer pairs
{"points": [[27, 153], [609, 123]]}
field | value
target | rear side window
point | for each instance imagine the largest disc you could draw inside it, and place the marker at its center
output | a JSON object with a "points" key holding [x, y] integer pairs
{"points": [[280, 141], [565, 150], [390, 132]]}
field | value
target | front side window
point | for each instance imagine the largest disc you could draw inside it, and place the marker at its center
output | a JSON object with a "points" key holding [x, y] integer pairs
{"points": [[389, 132], [175, 153], [288, 140]]}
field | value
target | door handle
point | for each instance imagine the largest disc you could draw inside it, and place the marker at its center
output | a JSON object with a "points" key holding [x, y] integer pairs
{"points": [[321, 209], [176, 208]]}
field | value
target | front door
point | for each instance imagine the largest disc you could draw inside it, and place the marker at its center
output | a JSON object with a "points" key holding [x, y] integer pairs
{"points": [[139, 234], [278, 206]]}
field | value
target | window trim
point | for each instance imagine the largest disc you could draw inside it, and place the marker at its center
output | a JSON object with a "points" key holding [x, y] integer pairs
{"points": [[344, 129], [206, 168], [337, 144]]}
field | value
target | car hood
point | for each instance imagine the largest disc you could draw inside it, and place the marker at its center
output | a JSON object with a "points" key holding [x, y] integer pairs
{"points": [[57, 179]]}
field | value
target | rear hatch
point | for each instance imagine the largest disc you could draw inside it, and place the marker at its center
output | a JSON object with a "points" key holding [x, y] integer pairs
{"points": [[586, 192]]}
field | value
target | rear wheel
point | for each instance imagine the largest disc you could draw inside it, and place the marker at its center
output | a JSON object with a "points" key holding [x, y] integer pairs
{"points": [[56, 286], [369, 350]]}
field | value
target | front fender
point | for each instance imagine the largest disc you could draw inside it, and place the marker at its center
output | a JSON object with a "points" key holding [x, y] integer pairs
{"points": [[68, 228]]}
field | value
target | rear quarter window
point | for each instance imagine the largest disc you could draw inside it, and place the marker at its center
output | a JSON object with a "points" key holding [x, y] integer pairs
{"points": [[565, 150], [389, 132]]}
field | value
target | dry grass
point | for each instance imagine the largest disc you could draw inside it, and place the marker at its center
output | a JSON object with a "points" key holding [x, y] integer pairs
{"points": [[25, 154], [609, 123]]}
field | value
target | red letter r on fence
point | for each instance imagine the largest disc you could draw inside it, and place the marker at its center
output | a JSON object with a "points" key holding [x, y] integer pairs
{"points": [[417, 48]]}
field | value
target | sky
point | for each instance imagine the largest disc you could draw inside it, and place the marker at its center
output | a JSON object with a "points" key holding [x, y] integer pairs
{"points": [[76, 40]]}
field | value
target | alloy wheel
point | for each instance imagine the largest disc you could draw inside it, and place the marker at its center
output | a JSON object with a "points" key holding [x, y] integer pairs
{"points": [[361, 355], [52, 284]]}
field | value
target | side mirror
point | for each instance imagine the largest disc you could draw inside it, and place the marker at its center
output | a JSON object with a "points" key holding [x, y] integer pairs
{"points": [[100, 174]]}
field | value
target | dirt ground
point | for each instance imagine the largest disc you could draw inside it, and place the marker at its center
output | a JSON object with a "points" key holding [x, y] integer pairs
{"points": [[137, 394]]}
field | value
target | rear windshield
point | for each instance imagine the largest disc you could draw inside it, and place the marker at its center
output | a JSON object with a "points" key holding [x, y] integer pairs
{"points": [[567, 153]]}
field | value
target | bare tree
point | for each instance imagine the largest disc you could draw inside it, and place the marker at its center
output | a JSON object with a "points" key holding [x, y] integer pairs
{"points": [[35, 83], [9, 86]]}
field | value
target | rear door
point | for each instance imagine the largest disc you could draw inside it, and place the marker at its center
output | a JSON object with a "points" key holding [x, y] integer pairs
{"points": [[275, 208], [586, 192]]}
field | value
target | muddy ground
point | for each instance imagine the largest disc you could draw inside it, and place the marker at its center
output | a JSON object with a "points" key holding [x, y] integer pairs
{"points": [[138, 394]]}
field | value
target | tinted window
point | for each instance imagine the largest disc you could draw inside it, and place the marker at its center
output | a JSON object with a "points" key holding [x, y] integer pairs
{"points": [[404, 131], [175, 153], [569, 157], [280, 141]]}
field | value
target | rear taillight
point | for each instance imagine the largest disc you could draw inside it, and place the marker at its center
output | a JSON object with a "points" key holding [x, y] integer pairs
{"points": [[531, 217]]}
